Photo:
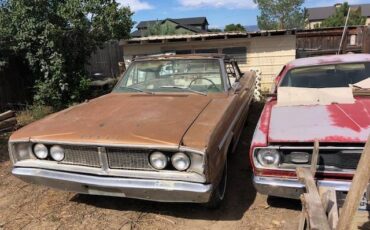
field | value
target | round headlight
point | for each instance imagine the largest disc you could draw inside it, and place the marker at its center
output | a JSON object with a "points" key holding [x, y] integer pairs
{"points": [[180, 161], [158, 160], [57, 153], [41, 151], [268, 157]]}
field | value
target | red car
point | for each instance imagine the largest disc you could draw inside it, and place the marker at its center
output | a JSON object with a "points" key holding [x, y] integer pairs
{"points": [[320, 98]]}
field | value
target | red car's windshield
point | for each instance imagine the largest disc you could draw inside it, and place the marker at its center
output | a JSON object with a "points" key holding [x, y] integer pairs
{"points": [[327, 76]]}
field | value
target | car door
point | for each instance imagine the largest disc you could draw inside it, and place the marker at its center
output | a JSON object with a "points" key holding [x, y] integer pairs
{"points": [[242, 86]]}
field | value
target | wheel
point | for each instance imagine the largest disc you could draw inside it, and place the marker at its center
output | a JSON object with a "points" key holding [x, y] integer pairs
{"points": [[218, 194]]}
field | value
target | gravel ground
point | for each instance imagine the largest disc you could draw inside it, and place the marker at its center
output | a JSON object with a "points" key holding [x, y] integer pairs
{"points": [[25, 206]]}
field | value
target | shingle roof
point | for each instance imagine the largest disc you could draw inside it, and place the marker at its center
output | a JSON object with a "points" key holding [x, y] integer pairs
{"points": [[321, 13], [136, 33], [183, 21]]}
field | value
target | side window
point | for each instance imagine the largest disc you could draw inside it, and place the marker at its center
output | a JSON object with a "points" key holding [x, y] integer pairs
{"points": [[231, 73]]}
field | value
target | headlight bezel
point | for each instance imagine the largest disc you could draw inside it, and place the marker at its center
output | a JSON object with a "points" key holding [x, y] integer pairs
{"points": [[178, 156], [197, 160], [160, 155], [40, 145], [56, 148], [259, 161]]}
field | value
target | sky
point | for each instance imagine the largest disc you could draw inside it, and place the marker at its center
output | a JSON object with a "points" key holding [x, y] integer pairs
{"points": [[218, 12]]}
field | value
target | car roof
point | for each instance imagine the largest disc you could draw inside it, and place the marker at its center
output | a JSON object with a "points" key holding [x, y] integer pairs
{"points": [[329, 59], [182, 56]]}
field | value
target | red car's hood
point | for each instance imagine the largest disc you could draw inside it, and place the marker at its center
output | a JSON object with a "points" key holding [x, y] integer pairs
{"points": [[330, 123]]}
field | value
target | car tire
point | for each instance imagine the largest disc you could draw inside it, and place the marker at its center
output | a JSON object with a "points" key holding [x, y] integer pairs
{"points": [[219, 192]]}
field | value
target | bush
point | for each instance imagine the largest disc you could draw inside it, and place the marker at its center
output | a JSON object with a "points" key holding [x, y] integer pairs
{"points": [[56, 39]]}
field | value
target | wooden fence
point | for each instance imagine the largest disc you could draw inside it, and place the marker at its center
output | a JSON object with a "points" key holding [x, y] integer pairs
{"points": [[105, 61], [16, 82], [15, 85], [326, 41]]}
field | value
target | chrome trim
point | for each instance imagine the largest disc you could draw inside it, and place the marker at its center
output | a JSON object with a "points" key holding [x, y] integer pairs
{"points": [[163, 147], [232, 125], [292, 188], [146, 189], [11, 152], [162, 174], [341, 171], [103, 159], [191, 176], [321, 147], [96, 144], [224, 74]]}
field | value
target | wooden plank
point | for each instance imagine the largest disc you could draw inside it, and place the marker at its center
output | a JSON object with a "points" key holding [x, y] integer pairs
{"points": [[329, 202], [315, 157], [314, 160], [6, 115], [313, 207], [8, 123], [358, 186]]}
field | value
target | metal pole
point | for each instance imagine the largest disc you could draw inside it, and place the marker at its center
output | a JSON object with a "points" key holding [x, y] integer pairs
{"points": [[344, 31]]}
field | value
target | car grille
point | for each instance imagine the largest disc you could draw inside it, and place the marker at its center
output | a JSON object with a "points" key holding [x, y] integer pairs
{"points": [[336, 159], [81, 155], [128, 159], [118, 158]]}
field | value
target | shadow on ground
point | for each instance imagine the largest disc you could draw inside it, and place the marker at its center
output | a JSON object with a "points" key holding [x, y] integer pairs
{"points": [[4, 156], [278, 202], [240, 194]]}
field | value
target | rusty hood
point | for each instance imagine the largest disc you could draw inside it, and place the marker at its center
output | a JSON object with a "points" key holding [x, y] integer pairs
{"points": [[120, 118], [327, 123]]}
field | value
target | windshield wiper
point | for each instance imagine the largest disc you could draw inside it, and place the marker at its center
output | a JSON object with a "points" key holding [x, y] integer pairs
{"points": [[139, 90], [183, 88]]}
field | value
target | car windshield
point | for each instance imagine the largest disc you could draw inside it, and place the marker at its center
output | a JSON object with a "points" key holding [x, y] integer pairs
{"points": [[177, 75], [327, 76]]}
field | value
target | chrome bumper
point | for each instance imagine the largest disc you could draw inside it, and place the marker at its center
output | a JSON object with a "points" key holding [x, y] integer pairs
{"points": [[292, 188], [145, 189]]}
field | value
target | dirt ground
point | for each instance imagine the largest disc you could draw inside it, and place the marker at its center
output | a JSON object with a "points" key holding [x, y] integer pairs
{"points": [[25, 206]]}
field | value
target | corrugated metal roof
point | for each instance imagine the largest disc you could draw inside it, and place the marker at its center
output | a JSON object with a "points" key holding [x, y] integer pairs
{"points": [[210, 35]]}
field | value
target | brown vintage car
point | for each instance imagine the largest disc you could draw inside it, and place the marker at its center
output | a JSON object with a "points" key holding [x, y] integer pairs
{"points": [[163, 134]]}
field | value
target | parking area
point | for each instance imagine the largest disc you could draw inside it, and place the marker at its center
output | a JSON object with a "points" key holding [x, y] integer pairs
{"points": [[24, 206]]}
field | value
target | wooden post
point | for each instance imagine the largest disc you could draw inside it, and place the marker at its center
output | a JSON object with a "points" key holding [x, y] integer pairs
{"points": [[8, 123], [314, 161], [312, 201], [329, 202], [358, 186], [315, 157], [6, 115]]}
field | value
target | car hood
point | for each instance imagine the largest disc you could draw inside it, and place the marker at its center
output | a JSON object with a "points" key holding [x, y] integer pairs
{"points": [[330, 123], [120, 118]]}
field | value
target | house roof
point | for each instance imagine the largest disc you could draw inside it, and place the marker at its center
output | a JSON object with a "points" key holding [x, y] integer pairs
{"points": [[321, 13], [138, 33], [183, 21]]}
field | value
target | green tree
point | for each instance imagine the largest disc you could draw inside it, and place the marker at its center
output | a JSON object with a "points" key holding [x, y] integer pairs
{"points": [[339, 18], [281, 14], [56, 37], [161, 28], [215, 30], [234, 27]]}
